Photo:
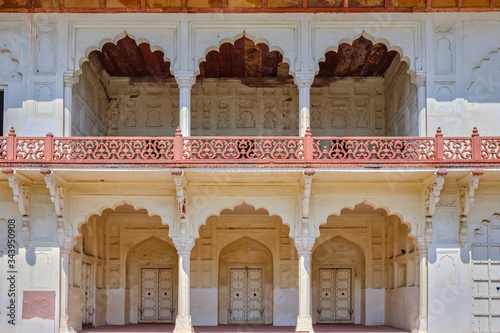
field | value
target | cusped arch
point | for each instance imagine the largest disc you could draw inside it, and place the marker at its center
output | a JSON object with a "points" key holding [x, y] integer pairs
{"points": [[216, 207], [484, 87], [362, 56], [481, 233], [9, 69], [374, 209], [113, 208], [244, 56], [126, 56]]}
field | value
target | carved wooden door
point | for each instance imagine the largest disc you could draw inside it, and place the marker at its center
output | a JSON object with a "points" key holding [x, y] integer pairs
{"points": [[157, 294], [245, 303], [335, 295], [87, 295]]}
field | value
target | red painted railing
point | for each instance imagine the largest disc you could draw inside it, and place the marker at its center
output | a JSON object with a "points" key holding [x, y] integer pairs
{"points": [[248, 151]]}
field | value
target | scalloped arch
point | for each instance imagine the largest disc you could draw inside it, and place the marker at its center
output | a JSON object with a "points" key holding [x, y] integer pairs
{"points": [[231, 207], [10, 67], [113, 208], [374, 56], [150, 56], [374, 207], [271, 58]]}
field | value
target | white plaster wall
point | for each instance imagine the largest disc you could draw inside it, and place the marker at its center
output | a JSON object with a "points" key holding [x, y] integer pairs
{"points": [[374, 312], [116, 307], [286, 306], [202, 312], [446, 47], [402, 307]]}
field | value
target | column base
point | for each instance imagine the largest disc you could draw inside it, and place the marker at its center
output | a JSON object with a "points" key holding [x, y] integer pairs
{"points": [[67, 330], [421, 326], [183, 324], [304, 324]]}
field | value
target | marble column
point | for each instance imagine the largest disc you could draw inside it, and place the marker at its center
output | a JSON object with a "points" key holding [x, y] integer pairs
{"points": [[64, 325], [304, 82], [69, 81], [183, 322], [185, 81], [420, 81], [422, 317], [304, 319]]}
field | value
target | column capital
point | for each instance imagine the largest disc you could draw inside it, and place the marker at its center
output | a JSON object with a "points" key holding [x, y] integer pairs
{"points": [[69, 79], [185, 79], [304, 245], [304, 79], [418, 78], [184, 245]]}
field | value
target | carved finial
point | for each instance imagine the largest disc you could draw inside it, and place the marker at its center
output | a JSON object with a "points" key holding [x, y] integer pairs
{"points": [[308, 132], [475, 132], [50, 134], [439, 132], [12, 131], [178, 131]]}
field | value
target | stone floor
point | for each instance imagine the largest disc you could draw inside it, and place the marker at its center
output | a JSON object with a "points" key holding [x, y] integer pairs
{"points": [[168, 328]]}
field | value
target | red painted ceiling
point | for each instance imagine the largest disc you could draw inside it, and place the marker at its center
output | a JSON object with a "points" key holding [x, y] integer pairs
{"points": [[127, 59], [243, 59], [361, 59]]}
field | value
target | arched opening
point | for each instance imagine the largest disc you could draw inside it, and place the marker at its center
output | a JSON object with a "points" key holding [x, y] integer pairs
{"points": [[485, 260], [118, 258], [363, 88], [244, 86], [245, 265], [364, 270], [125, 88], [151, 280], [245, 281]]}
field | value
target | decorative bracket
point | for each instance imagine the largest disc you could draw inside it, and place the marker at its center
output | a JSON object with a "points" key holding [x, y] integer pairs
{"points": [[468, 186], [56, 189], [306, 183], [434, 185], [304, 245], [180, 188], [21, 190]]}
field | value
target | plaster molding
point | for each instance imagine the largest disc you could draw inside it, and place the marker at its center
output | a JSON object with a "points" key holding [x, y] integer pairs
{"points": [[304, 245], [306, 184], [183, 245], [468, 186], [185, 80], [304, 79], [21, 190], [433, 187], [180, 189]]}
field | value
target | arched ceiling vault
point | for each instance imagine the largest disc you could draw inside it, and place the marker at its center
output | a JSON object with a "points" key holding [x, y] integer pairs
{"points": [[127, 59], [362, 58], [244, 59]]}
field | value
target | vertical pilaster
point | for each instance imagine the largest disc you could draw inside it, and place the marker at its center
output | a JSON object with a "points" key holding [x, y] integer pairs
{"points": [[183, 322], [304, 319], [64, 326], [422, 325], [420, 81], [304, 82], [69, 81], [185, 81]]}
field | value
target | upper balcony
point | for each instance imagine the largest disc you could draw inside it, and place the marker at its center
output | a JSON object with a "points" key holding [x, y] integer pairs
{"points": [[241, 152]]}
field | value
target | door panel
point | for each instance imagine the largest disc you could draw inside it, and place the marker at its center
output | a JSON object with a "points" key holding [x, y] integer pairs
{"points": [[335, 295], [157, 294], [246, 295]]}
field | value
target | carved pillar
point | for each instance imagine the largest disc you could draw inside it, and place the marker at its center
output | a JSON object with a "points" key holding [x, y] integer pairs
{"points": [[304, 319], [185, 81], [433, 187], [420, 81], [64, 326], [21, 190], [183, 322], [69, 81], [56, 190], [468, 186], [304, 82], [423, 288]]}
